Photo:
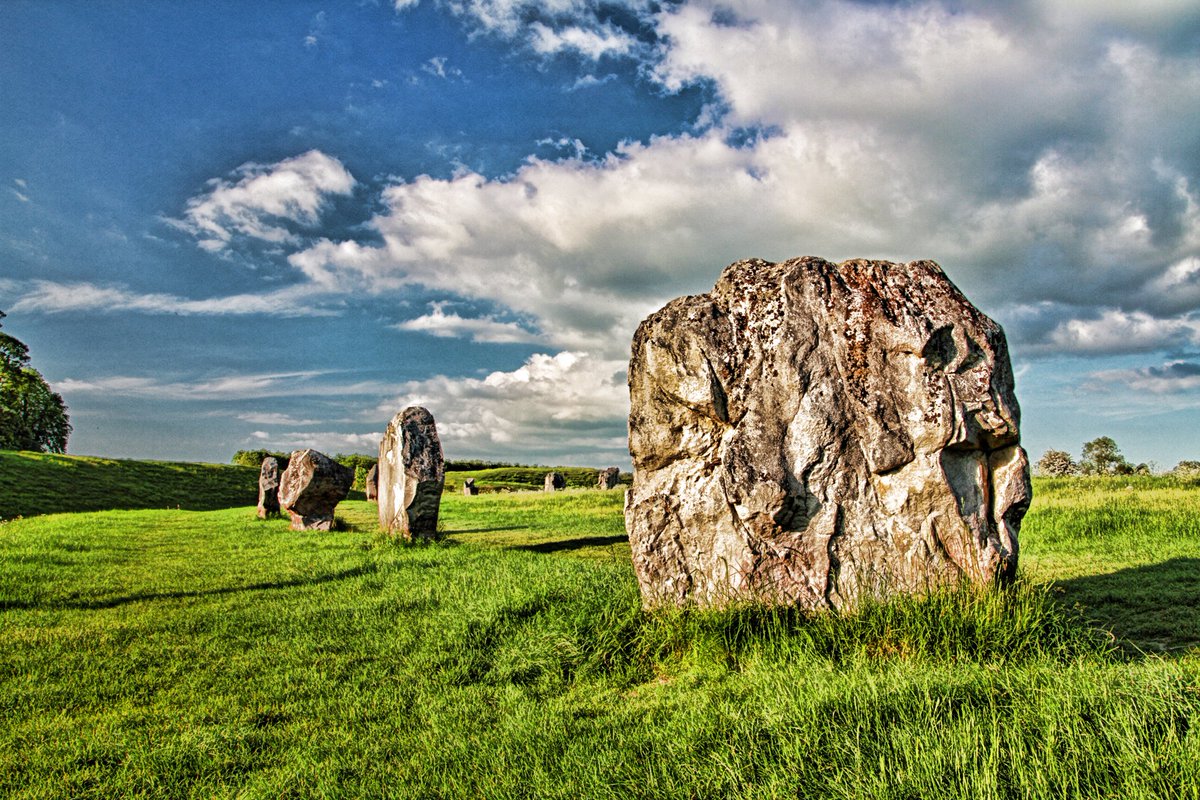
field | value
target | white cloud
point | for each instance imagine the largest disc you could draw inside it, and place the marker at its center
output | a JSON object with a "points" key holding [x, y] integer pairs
{"points": [[1116, 331], [273, 418], [263, 198], [436, 66], [1040, 156], [550, 27], [226, 387], [328, 442], [1173, 378], [480, 329], [51, 298], [569, 406]]}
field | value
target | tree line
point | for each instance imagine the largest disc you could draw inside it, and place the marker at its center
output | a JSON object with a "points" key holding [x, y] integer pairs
{"points": [[31, 416], [1101, 456]]}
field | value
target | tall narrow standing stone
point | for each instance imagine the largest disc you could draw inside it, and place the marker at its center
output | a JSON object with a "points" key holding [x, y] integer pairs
{"points": [[553, 482], [812, 433], [469, 487], [268, 487], [310, 489], [371, 484], [411, 475]]}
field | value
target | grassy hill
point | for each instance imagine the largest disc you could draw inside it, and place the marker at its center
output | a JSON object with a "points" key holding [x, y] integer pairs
{"points": [[175, 653], [41, 483]]}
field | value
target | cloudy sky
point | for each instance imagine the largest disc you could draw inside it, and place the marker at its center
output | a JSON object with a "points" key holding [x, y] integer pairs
{"points": [[234, 224]]}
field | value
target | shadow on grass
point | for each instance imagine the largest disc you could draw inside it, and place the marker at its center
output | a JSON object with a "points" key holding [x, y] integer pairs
{"points": [[1149, 609], [141, 597], [456, 531], [561, 545]]}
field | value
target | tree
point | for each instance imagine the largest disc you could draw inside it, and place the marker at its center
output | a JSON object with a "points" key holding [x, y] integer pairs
{"points": [[1057, 463], [1187, 469], [31, 416], [1103, 457]]}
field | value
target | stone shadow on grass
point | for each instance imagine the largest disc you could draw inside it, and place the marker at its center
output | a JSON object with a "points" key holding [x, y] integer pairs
{"points": [[139, 597], [560, 545], [1151, 609]]}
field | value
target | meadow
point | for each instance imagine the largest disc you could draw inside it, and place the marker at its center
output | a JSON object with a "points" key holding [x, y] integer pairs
{"points": [[204, 653]]}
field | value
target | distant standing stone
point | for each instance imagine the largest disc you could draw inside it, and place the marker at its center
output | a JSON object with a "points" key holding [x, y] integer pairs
{"points": [[469, 487], [608, 478], [310, 489], [268, 487], [554, 482], [372, 483], [411, 475]]}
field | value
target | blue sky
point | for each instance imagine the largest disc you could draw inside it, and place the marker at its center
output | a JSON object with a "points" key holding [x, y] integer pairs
{"points": [[233, 225]]}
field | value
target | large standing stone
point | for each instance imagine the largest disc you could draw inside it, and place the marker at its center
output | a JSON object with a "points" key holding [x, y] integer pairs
{"points": [[469, 487], [311, 487], [554, 481], [608, 478], [812, 433], [371, 483], [268, 487], [411, 475]]}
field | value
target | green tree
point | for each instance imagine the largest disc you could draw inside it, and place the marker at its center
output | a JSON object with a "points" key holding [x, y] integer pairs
{"points": [[31, 416], [1057, 463], [1102, 457]]}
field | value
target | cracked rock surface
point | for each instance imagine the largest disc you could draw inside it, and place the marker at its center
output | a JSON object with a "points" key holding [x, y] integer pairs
{"points": [[411, 475], [810, 433]]}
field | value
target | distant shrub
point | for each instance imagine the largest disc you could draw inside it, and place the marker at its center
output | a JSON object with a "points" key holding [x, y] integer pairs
{"points": [[254, 458], [1056, 464]]}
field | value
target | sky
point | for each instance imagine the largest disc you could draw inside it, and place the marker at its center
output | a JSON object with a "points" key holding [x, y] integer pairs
{"points": [[237, 225]]}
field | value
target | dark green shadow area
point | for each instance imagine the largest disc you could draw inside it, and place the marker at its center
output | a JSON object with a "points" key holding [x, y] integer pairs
{"points": [[144, 597], [1149, 609], [41, 483], [566, 545]]}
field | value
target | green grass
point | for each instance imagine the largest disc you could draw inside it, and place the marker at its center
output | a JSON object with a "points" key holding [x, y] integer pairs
{"points": [[172, 653], [499, 479], [43, 483]]}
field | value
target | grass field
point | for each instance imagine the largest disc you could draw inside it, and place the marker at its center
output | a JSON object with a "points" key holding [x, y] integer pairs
{"points": [[177, 653]]}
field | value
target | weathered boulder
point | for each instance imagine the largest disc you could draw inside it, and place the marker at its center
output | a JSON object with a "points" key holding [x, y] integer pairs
{"points": [[411, 475], [311, 487], [812, 433], [469, 487], [608, 478], [554, 481], [371, 484], [268, 487]]}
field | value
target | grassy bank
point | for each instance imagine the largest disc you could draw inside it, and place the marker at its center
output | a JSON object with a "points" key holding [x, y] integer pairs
{"points": [[44, 483], [206, 654]]}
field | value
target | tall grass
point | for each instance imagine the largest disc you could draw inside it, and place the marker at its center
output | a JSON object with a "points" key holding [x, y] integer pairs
{"points": [[207, 654]]}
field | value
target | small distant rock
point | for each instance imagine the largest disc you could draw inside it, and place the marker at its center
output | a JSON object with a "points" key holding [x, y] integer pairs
{"points": [[469, 487], [310, 489], [411, 475], [608, 478], [371, 486], [554, 481], [268, 487]]}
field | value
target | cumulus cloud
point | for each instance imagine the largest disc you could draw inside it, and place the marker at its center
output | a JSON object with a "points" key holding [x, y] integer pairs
{"points": [[569, 406], [1172, 384], [48, 297], [1116, 331], [479, 329], [1039, 152], [261, 200], [330, 442]]}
